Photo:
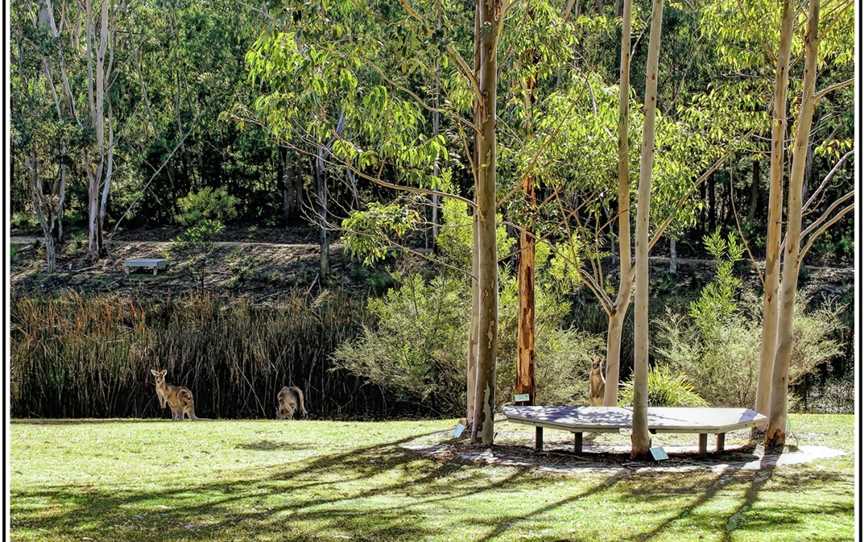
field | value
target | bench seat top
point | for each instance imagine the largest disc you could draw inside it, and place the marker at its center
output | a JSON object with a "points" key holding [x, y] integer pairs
{"points": [[159, 263], [660, 419]]}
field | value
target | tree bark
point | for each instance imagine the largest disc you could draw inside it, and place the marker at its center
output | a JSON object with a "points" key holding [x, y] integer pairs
{"points": [[625, 286], [99, 167], [754, 190], [324, 234], [640, 439], [525, 334], [775, 216], [776, 434], [712, 204], [487, 321], [472, 332]]}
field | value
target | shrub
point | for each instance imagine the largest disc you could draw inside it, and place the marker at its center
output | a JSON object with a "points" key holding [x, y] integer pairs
{"points": [[716, 346], [203, 213], [665, 389], [418, 347], [214, 204]]}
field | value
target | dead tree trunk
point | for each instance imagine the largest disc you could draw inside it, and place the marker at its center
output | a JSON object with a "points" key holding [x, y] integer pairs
{"points": [[525, 333]]}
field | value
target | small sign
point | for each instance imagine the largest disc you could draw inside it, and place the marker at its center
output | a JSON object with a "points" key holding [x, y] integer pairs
{"points": [[458, 430], [658, 453], [521, 397]]}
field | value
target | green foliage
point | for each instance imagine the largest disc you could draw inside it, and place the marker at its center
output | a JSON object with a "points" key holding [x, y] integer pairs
{"points": [[455, 239], [202, 213], [369, 234], [418, 346], [206, 205], [665, 389], [718, 301], [24, 221], [717, 344]]}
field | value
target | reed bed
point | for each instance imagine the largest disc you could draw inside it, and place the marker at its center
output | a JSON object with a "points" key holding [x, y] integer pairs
{"points": [[76, 356]]}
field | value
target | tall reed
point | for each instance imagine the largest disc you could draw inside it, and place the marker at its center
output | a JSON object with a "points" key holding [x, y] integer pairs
{"points": [[75, 356]]}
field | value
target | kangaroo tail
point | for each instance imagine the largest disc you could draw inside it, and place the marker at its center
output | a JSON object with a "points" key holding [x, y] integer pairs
{"points": [[301, 401]]}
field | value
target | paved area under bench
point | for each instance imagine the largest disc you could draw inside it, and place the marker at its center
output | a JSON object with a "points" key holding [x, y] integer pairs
{"points": [[578, 420]]}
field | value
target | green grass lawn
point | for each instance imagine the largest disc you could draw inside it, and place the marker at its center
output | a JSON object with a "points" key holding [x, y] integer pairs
{"points": [[318, 480]]}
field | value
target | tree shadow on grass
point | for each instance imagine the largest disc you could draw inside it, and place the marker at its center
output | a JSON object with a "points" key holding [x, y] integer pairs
{"points": [[382, 491], [663, 487], [304, 500]]}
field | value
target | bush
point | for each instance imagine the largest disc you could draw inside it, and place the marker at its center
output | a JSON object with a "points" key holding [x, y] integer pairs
{"points": [[418, 348], [203, 213], [665, 389], [208, 204], [90, 357], [716, 346]]}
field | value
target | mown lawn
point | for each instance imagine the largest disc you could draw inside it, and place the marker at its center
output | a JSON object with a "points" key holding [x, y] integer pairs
{"points": [[318, 480]]}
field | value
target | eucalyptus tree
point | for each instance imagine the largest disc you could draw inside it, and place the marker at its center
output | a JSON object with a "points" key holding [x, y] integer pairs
{"points": [[793, 250], [747, 46], [41, 135], [538, 62], [640, 439]]}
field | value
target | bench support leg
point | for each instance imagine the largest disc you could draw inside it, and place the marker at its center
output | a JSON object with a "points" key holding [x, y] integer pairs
{"points": [[538, 439], [721, 441], [577, 443], [703, 443]]}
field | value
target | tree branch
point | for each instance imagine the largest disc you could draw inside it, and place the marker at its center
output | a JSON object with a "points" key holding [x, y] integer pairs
{"points": [[822, 229], [831, 88], [826, 180]]}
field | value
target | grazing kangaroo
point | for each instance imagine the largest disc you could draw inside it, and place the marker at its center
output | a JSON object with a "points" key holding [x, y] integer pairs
{"points": [[289, 400], [596, 383], [179, 398]]}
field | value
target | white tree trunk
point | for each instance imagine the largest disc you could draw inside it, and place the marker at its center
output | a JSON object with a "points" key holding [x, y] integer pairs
{"points": [[487, 326], [640, 438], [625, 285], [776, 433], [775, 216]]}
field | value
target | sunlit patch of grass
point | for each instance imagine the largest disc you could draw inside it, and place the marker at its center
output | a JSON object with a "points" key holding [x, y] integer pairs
{"points": [[319, 480]]}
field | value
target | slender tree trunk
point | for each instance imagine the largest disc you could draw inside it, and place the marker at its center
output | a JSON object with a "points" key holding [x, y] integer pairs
{"points": [[45, 209], [436, 127], [775, 216], [483, 429], [324, 234], [614, 330], [712, 203], [640, 438], [754, 190], [625, 286], [776, 434], [673, 256], [472, 333], [474, 396]]}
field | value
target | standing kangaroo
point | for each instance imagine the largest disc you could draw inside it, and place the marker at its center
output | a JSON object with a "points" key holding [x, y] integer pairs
{"points": [[596, 383], [179, 398], [287, 401]]}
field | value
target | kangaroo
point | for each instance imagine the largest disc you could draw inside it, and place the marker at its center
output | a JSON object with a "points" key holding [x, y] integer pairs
{"points": [[179, 398], [289, 400], [596, 383]]}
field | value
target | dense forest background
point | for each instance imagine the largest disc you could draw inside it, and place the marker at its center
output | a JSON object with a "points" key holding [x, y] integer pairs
{"points": [[127, 114]]}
